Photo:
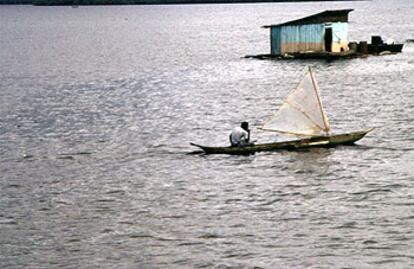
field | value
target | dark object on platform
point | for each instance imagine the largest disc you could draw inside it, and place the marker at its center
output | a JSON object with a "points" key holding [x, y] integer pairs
{"points": [[376, 40], [363, 47], [376, 47]]}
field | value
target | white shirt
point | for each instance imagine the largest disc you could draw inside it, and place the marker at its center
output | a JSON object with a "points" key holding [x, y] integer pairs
{"points": [[239, 136]]}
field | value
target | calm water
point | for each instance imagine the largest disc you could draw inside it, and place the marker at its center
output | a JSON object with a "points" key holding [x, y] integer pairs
{"points": [[97, 109]]}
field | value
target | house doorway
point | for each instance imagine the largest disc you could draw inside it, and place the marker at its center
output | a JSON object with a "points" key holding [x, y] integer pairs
{"points": [[328, 39]]}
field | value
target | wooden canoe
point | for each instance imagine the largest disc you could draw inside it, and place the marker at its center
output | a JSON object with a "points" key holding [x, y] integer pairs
{"points": [[316, 141]]}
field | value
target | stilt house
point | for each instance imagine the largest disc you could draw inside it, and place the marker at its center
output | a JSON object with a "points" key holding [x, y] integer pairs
{"points": [[323, 32]]}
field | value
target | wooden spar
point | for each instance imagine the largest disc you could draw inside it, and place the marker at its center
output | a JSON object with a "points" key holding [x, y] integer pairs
{"points": [[294, 133], [303, 112], [326, 129], [283, 132]]}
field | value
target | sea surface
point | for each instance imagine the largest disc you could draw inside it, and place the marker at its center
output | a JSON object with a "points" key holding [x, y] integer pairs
{"points": [[98, 105]]}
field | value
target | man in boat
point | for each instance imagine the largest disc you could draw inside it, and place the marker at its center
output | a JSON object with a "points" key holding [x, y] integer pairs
{"points": [[240, 136]]}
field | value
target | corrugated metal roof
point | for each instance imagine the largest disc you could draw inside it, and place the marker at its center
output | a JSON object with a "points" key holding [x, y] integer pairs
{"points": [[338, 15]]}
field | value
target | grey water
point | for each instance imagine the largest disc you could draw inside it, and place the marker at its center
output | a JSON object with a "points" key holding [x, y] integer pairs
{"points": [[97, 108]]}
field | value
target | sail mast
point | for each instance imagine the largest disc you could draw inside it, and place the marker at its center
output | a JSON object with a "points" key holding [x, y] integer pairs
{"points": [[315, 88]]}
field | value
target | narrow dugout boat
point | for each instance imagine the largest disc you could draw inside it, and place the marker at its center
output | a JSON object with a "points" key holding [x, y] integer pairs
{"points": [[301, 115]]}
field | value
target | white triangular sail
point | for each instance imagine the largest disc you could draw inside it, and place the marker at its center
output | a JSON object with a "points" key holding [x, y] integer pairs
{"points": [[302, 113]]}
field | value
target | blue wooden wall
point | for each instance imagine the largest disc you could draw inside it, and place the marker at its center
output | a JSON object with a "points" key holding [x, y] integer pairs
{"points": [[308, 37]]}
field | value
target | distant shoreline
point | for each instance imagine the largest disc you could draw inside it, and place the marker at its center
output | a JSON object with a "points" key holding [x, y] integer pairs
{"points": [[146, 2]]}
